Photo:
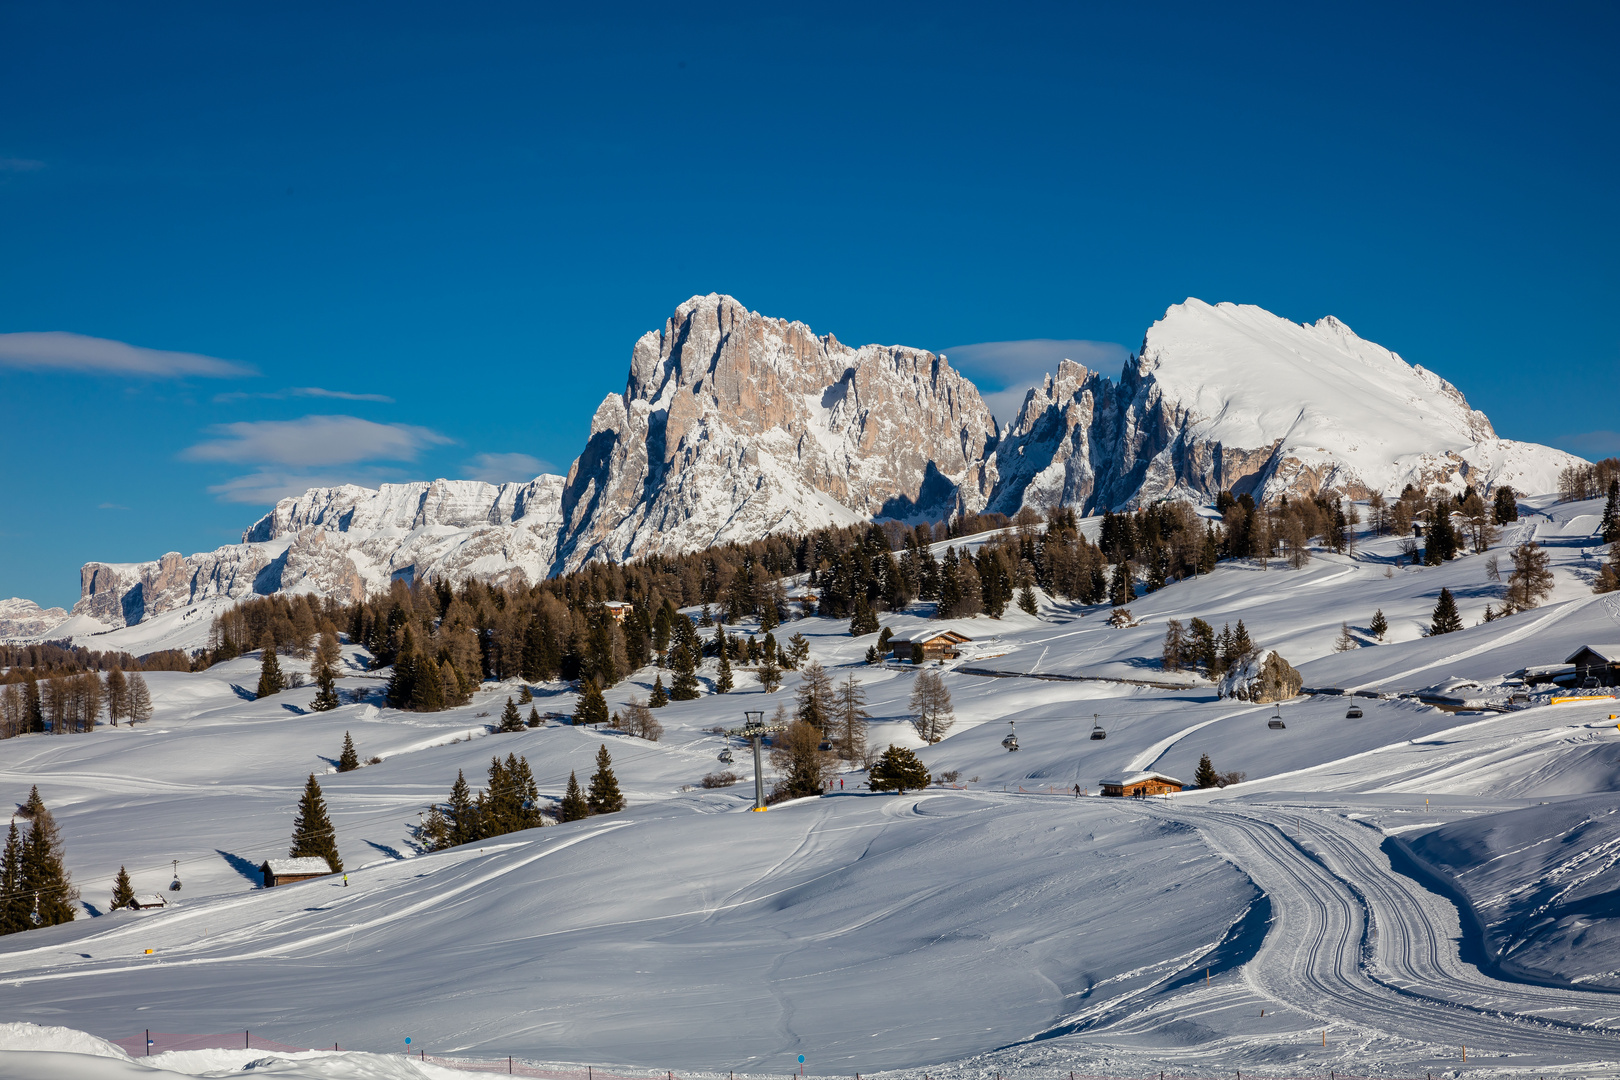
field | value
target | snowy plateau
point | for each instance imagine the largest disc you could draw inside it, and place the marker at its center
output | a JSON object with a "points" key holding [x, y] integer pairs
{"points": [[733, 426], [1424, 889]]}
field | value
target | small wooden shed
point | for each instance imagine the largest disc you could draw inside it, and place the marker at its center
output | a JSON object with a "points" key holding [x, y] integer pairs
{"points": [[142, 902], [286, 871], [1140, 785], [1600, 661], [945, 645]]}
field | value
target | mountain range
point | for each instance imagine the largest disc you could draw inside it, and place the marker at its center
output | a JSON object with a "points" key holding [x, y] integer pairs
{"points": [[734, 425]]}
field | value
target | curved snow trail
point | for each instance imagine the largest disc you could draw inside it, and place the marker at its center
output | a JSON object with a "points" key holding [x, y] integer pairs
{"points": [[1357, 944], [1153, 753]]}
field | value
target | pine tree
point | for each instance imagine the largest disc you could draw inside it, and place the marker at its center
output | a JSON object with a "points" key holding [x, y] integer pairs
{"points": [[511, 719], [591, 708], [1346, 641], [1446, 618], [1609, 525], [464, 826], [1206, 777], [685, 686], [348, 760], [16, 906], [326, 696], [864, 621], [898, 770], [525, 696], [770, 672], [271, 680], [723, 681], [1506, 508], [123, 891], [44, 875], [574, 807], [1120, 591], [1379, 625], [1242, 646], [534, 720], [32, 706], [604, 797], [140, 699], [434, 833], [1175, 651], [427, 691], [1026, 600], [659, 699], [313, 835]]}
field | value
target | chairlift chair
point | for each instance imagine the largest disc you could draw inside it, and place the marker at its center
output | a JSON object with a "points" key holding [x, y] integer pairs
{"points": [[174, 886], [1275, 724], [725, 755], [1097, 731], [1354, 713], [1011, 741]]}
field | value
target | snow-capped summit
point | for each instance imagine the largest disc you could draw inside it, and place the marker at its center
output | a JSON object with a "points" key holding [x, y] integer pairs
{"points": [[1230, 396]]}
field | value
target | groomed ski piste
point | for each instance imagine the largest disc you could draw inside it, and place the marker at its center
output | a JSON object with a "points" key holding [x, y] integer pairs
{"points": [[1379, 897]]}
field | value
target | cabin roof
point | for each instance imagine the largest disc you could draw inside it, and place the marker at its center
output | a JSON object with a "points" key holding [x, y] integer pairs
{"points": [[150, 900], [1606, 652], [953, 637], [308, 864], [1137, 778]]}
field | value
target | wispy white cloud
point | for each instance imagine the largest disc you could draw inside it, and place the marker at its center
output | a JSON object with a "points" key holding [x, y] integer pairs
{"points": [[57, 350], [1005, 371], [1592, 444], [314, 441], [12, 164], [499, 468], [299, 392]]}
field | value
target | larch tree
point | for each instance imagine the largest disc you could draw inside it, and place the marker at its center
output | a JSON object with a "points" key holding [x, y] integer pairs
{"points": [[931, 711], [1532, 579], [140, 699], [313, 835], [815, 696], [117, 696], [849, 719], [796, 753], [1345, 641], [605, 796]]}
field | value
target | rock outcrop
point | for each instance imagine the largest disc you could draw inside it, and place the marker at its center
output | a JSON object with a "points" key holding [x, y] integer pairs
{"points": [[733, 426], [1263, 678], [25, 619]]}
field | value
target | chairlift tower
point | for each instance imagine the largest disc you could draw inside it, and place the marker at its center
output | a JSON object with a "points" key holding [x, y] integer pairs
{"points": [[755, 729]]}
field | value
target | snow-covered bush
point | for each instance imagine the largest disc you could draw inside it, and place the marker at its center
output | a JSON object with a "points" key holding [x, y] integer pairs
{"points": [[1263, 677]]}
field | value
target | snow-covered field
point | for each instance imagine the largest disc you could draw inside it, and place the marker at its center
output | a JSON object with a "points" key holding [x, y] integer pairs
{"points": [[1303, 921]]}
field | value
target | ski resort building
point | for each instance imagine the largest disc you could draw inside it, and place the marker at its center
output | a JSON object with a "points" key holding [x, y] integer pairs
{"points": [[617, 609], [141, 902], [287, 871], [1140, 785], [1601, 662], [944, 645]]}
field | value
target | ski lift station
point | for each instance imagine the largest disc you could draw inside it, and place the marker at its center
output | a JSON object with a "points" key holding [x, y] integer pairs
{"points": [[1140, 785], [287, 871]]}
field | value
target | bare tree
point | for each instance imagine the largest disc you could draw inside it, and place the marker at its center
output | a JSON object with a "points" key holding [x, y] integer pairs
{"points": [[796, 753], [1532, 579], [638, 720], [931, 712], [849, 719], [815, 696]]}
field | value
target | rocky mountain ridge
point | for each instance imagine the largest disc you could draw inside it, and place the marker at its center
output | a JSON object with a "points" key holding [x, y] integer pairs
{"points": [[734, 425]]}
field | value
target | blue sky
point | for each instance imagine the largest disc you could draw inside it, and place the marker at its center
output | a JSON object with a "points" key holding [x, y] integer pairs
{"points": [[385, 242]]}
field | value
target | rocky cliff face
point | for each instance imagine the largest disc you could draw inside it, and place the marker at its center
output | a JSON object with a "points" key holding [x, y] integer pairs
{"points": [[346, 542], [25, 619], [733, 425]]}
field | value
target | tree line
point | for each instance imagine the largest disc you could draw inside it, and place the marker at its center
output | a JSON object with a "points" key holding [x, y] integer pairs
{"points": [[64, 702]]}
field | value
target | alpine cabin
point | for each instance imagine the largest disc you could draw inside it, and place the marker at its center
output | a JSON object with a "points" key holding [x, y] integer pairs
{"points": [[287, 871], [945, 645], [1140, 785], [1600, 662]]}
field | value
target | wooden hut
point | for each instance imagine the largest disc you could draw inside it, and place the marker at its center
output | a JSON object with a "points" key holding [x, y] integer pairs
{"points": [[287, 871], [1596, 661], [143, 902], [1140, 785], [945, 645]]}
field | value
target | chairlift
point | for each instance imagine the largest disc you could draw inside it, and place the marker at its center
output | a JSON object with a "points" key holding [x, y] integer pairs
{"points": [[1276, 721], [1354, 713], [1589, 683], [824, 745], [174, 886], [725, 755], [1011, 741], [1097, 731]]}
